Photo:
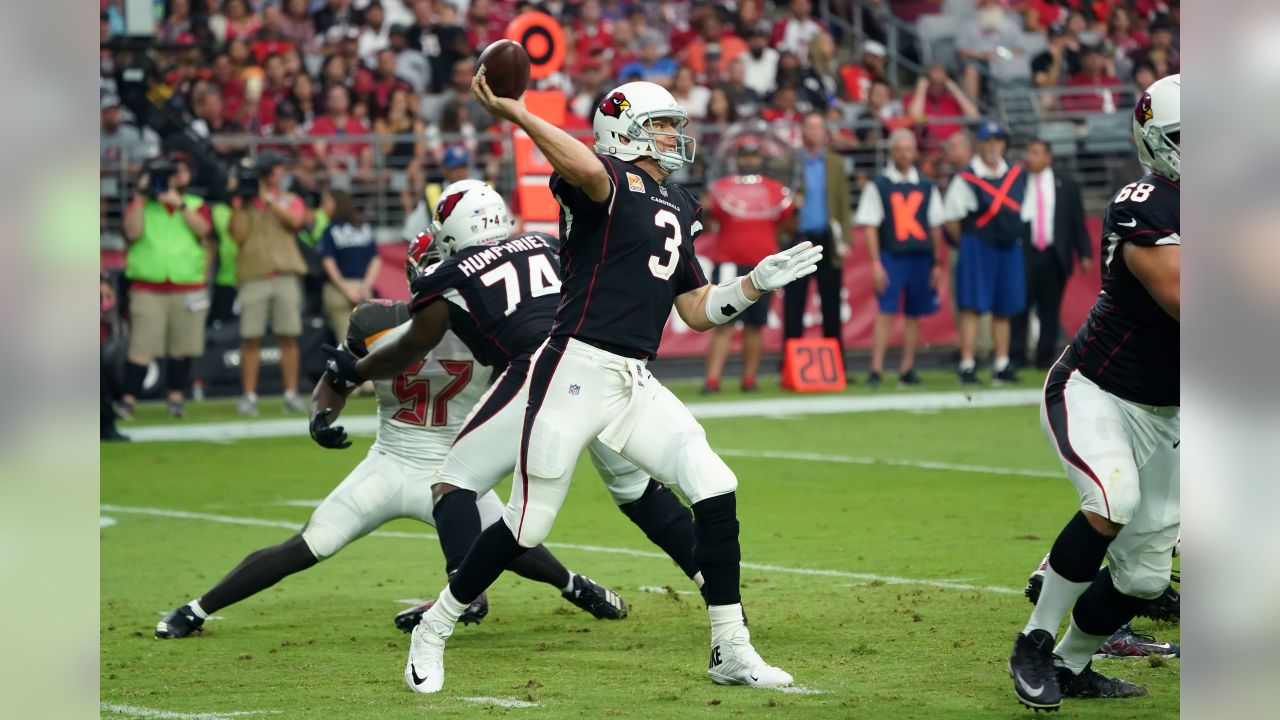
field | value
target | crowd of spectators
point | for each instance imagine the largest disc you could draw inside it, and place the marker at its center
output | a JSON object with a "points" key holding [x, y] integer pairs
{"points": [[313, 81]]}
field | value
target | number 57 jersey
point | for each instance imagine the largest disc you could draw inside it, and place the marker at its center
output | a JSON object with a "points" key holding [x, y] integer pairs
{"points": [[625, 260], [420, 411]]}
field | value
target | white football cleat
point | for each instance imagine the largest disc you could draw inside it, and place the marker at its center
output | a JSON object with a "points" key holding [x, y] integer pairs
{"points": [[735, 662], [424, 671]]}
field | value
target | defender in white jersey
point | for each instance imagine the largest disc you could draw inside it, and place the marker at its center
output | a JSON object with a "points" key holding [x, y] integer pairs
{"points": [[419, 413]]}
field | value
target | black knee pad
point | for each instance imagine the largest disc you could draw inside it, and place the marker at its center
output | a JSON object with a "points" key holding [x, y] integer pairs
{"points": [[666, 522], [458, 525], [1102, 609], [1079, 550]]}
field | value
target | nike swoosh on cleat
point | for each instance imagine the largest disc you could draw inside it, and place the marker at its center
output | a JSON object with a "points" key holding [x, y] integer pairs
{"points": [[754, 678], [1032, 691], [414, 672]]}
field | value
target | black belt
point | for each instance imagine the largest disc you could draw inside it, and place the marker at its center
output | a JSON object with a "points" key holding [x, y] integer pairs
{"points": [[615, 349]]}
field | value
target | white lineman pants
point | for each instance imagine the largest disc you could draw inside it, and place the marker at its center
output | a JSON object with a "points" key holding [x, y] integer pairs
{"points": [[380, 489], [1122, 458], [579, 393], [484, 453]]}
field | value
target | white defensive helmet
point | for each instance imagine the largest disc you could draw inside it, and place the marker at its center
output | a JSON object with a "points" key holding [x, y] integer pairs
{"points": [[470, 213], [1157, 127], [621, 125]]}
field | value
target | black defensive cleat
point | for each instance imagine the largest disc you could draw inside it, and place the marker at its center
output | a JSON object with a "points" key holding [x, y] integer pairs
{"points": [[179, 623], [1166, 608], [1125, 643], [601, 602], [1035, 681], [1091, 684], [407, 620]]}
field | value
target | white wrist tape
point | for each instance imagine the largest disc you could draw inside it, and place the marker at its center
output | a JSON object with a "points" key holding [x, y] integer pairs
{"points": [[726, 301]]}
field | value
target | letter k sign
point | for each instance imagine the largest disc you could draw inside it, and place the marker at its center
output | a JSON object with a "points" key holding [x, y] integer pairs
{"points": [[905, 207]]}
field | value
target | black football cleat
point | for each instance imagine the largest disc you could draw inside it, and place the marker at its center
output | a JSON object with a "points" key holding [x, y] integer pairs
{"points": [[601, 602], [1090, 684], [407, 620], [1166, 608], [179, 623], [1035, 680], [1005, 377], [1125, 643], [1036, 581]]}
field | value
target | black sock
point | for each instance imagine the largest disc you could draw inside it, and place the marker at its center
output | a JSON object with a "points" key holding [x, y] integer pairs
{"points": [[179, 375], [134, 375], [541, 566], [1102, 609], [458, 525], [665, 521], [1079, 550], [492, 552], [716, 550], [258, 571]]}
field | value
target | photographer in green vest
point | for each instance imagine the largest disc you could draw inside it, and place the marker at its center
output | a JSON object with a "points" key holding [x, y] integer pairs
{"points": [[168, 264]]}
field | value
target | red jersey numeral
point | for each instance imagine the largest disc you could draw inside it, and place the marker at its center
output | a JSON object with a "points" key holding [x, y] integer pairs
{"points": [[414, 393]]}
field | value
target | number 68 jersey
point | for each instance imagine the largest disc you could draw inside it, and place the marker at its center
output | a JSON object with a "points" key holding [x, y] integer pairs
{"points": [[421, 411], [625, 260], [1129, 345]]}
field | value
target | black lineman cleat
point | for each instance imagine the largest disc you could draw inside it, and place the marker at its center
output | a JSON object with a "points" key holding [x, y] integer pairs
{"points": [[1090, 684], [1035, 680], [1165, 608], [601, 602], [1125, 643], [407, 620], [179, 623]]}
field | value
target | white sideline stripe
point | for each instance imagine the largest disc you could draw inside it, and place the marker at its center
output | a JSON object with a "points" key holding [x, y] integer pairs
{"points": [[134, 711], [817, 572], [299, 503], [855, 460], [368, 424], [501, 702]]}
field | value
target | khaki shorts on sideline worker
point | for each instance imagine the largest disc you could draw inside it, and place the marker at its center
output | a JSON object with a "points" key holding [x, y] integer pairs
{"points": [[167, 324], [280, 297]]}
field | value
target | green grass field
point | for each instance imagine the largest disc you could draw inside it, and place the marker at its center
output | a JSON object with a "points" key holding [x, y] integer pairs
{"points": [[886, 553]]}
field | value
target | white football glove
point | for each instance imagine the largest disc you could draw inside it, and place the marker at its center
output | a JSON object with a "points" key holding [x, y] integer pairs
{"points": [[779, 269]]}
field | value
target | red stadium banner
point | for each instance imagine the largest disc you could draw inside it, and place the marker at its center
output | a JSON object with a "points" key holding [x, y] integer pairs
{"points": [[857, 306]]}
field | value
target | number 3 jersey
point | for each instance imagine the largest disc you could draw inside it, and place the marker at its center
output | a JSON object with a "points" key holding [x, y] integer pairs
{"points": [[623, 261], [501, 297], [421, 411], [1129, 345]]}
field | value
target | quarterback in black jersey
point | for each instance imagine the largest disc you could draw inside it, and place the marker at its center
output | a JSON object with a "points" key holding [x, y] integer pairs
{"points": [[627, 257], [1110, 410]]}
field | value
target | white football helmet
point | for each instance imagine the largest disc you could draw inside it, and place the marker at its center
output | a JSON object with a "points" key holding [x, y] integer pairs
{"points": [[1157, 127], [621, 125], [470, 213]]}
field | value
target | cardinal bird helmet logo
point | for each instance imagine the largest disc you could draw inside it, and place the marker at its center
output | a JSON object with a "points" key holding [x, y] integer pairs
{"points": [[1143, 111], [614, 105], [446, 205]]}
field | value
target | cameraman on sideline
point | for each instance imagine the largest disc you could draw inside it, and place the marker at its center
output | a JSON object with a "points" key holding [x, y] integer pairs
{"points": [[168, 262], [265, 220]]}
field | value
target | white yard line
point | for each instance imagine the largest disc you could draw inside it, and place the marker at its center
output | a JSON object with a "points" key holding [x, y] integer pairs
{"points": [[856, 460], [132, 711], [501, 702], [800, 690], [631, 552], [827, 405]]}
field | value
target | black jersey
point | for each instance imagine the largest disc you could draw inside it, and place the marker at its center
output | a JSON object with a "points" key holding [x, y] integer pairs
{"points": [[625, 260], [501, 298], [1129, 344]]}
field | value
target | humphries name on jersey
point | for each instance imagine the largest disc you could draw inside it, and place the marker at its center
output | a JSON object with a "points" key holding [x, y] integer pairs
{"points": [[1128, 345], [421, 410], [485, 284], [626, 259]]}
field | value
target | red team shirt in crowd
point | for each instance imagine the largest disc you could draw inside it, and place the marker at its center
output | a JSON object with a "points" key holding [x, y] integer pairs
{"points": [[747, 210]]}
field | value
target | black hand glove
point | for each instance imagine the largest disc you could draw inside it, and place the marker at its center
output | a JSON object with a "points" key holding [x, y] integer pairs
{"points": [[342, 368], [334, 438]]}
